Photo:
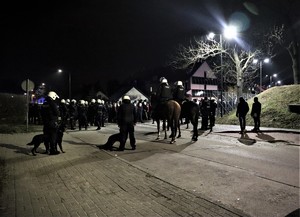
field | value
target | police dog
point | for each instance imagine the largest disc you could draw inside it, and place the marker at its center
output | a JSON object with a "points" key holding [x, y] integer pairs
{"points": [[40, 138]]}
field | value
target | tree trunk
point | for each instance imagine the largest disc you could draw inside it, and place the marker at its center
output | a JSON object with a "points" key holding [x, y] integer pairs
{"points": [[239, 74], [293, 50]]}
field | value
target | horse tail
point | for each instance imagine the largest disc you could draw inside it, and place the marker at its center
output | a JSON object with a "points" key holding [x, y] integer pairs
{"points": [[174, 116]]}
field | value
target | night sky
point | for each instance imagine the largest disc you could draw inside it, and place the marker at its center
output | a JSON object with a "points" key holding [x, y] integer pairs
{"points": [[102, 40]]}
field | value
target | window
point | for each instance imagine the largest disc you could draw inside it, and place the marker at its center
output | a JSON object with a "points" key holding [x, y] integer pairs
{"points": [[201, 80]]}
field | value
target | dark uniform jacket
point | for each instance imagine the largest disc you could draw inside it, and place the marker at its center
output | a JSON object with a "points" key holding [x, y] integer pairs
{"points": [[63, 111], [213, 107], [164, 92], [126, 114], [179, 93], [50, 113]]}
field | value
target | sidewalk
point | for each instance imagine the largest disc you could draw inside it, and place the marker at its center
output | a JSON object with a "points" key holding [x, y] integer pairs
{"points": [[85, 181], [267, 134]]}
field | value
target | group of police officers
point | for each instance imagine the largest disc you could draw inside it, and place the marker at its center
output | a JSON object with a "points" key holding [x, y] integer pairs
{"points": [[207, 107], [125, 113]]}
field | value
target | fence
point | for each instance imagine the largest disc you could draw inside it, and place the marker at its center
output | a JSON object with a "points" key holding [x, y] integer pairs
{"points": [[230, 101]]}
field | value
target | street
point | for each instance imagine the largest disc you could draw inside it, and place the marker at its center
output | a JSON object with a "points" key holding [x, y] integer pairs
{"points": [[261, 179], [257, 175]]}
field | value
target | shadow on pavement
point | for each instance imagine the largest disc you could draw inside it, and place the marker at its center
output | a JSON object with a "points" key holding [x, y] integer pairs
{"points": [[16, 148], [57, 166], [265, 137], [246, 140], [295, 213], [76, 143]]}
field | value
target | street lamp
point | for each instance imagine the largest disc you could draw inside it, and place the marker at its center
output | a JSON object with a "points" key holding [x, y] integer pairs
{"points": [[70, 81], [266, 60], [211, 36], [271, 79], [229, 33]]}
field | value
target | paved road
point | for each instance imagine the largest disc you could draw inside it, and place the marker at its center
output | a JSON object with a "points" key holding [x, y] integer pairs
{"points": [[211, 177]]}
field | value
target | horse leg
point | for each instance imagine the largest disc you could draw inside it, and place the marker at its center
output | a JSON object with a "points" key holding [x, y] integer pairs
{"points": [[165, 129], [164, 124], [158, 129], [166, 134], [179, 131], [187, 121], [195, 130], [174, 127]]}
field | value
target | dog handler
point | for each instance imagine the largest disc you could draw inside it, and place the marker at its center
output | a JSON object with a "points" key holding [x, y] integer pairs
{"points": [[50, 115]]}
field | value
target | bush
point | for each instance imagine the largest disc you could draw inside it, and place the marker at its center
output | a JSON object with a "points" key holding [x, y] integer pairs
{"points": [[12, 109], [13, 114]]}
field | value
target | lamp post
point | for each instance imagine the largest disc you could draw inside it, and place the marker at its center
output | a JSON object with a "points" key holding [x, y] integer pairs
{"points": [[69, 80], [266, 60], [210, 36], [229, 32], [271, 79]]}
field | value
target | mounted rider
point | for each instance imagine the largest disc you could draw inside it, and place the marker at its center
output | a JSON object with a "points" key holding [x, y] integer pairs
{"points": [[179, 92], [163, 94]]}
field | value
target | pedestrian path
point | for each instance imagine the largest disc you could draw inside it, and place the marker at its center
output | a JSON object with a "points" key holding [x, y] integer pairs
{"points": [[267, 134], [86, 181]]}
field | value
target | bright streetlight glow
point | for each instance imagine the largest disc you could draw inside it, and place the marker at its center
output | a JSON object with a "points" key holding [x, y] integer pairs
{"points": [[230, 32], [210, 36], [70, 81], [266, 60]]}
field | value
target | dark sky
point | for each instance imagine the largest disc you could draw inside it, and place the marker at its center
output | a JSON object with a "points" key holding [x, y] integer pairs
{"points": [[101, 40]]}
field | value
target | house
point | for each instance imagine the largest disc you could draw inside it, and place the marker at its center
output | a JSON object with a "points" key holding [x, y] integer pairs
{"points": [[133, 93], [101, 95], [201, 82]]}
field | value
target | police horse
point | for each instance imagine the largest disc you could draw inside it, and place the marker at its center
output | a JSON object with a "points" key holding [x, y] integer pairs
{"points": [[191, 112], [168, 112]]}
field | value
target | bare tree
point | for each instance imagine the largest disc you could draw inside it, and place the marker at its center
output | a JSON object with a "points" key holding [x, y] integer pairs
{"points": [[278, 36], [236, 62]]}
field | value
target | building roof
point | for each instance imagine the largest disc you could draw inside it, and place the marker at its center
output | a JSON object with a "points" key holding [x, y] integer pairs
{"points": [[199, 69], [101, 95], [132, 92]]}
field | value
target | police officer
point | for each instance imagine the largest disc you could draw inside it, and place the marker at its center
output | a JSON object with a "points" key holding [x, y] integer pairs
{"points": [[212, 113], [91, 113], [104, 113], [50, 115], [164, 92], [99, 114], [63, 111], [73, 113], [204, 109], [126, 121], [82, 115], [139, 110], [179, 92]]}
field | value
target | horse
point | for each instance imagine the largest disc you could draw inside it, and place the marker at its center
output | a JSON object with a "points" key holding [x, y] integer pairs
{"points": [[169, 112], [190, 111]]}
